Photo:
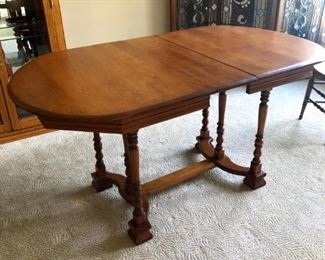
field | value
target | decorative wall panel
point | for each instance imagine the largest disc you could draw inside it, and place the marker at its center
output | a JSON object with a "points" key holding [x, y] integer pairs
{"points": [[260, 15], [192, 13], [303, 18]]}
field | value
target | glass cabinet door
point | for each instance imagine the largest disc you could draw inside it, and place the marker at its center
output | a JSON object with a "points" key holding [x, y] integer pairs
{"points": [[23, 36]]}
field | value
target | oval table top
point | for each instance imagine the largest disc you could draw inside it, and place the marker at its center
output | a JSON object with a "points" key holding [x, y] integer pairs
{"points": [[258, 52], [119, 80]]}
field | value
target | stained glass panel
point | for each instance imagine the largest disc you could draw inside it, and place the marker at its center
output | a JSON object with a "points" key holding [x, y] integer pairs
{"points": [[192, 13], [303, 18]]}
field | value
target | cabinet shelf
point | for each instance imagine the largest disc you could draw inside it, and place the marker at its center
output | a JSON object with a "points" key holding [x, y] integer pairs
{"points": [[11, 38]]}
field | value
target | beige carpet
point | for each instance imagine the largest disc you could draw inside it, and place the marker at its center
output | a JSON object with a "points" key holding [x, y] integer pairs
{"points": [[49, 211]]}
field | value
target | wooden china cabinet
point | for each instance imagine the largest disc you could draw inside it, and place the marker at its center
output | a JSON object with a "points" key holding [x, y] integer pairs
{"points": [[28, 28]]}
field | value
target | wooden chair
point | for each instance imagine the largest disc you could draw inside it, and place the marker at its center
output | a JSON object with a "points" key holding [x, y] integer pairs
{"points": [[318, 78]]}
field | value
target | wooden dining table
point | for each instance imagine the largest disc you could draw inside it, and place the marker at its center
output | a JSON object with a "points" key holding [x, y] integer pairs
{"points": [[124, 86]]}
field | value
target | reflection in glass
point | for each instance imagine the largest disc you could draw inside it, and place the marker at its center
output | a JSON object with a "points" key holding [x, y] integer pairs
{"points": [[23, 34]]}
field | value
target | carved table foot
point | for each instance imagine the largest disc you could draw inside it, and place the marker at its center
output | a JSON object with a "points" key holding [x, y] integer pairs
{"points": [[139, 227], [255, 181], [139, 233], [100, 184], [199, 139]]}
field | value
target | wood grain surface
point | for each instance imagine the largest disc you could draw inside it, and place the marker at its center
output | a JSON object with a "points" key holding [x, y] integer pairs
{"points": [[124, 80], [118, 80], [259, 52]]}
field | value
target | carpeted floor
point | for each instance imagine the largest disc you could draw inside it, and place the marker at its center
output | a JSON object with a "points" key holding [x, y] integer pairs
{"points": [[49, 211]]}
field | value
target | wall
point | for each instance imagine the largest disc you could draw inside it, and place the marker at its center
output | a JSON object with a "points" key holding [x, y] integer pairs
{"points": [[88, 22]]}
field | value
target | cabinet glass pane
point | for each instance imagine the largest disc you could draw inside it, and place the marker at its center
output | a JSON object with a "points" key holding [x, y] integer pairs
{"points": [[23, 34]]}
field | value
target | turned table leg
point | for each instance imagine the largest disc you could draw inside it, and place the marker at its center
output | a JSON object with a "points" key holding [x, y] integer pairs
{"points": [[139, 226], [99, 183], [219, 152], [126, 162], [255, 177], [204, 133]]}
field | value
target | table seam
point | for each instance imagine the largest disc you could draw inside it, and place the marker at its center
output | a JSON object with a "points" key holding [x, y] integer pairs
{"points": [[201, 54]]}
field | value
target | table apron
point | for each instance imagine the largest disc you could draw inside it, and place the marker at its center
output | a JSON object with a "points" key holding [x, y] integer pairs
{"points": [[131, 123], [279, 79]]}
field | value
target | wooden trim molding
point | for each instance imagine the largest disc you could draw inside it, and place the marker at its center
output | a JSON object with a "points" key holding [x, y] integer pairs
{"points": [[272, 14], [21, 134], [5, 126], [54, 24], [280, 15], [173, 15]]}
